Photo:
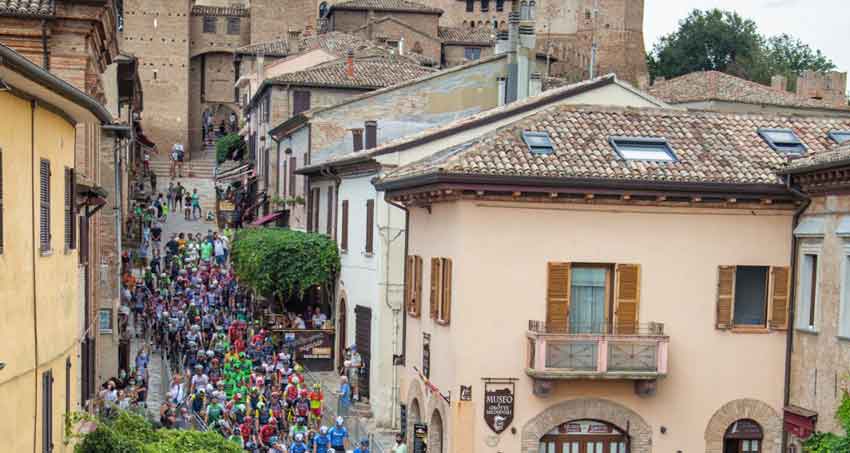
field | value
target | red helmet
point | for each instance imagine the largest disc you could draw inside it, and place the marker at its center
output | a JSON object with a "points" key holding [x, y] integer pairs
{"points": [[248, 419], [303, 392]]}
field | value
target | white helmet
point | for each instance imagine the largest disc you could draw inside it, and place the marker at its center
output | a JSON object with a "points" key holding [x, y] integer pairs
{"points": [[299, 437], [340, 421], [323, 430]]}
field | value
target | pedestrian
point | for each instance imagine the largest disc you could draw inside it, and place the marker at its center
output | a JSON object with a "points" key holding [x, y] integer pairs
{"points": [[205, 117], [153, 182], [169, 194], [364, 446], [178, 195], [174, 156], [232, 123], [196, 204], [400, 445], [344, 395], [209, 127], [187, 206], [354, 372], [177, 156], [218, 249]]}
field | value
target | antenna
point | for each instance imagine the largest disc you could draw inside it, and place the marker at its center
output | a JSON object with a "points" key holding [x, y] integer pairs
{"points": [[594, 46]]}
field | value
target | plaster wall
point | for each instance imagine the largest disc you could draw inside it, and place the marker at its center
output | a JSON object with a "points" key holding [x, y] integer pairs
{"points": [[40, 290], [500, 284]]}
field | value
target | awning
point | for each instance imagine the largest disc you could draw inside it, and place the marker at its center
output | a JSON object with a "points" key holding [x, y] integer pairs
{"points": [[234, 172], [267, 219], [799, 421]]}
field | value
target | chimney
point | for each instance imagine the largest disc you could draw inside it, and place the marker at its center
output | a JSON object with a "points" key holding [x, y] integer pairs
{"points": [[525, 59], [371, 134], [643, 82], [502, 43], [512, 45], [524, 11], [535, 84], [779, 83], [503, 82], [349, 64], [401, 46], [357, 139]]}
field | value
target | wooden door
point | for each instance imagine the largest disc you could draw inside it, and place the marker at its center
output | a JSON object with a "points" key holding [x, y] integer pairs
{"points": [[363, 340]]}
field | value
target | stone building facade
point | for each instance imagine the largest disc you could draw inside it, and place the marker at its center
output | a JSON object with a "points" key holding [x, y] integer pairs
{"points": [[566, 28]]}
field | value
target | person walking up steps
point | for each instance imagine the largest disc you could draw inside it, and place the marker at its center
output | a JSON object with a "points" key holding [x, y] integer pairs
{"points": [[187, 206]]}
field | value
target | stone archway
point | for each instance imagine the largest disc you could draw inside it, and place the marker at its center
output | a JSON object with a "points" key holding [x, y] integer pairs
{"points": [[640, 433], [435, 433], [414, 415], [758, 411]]}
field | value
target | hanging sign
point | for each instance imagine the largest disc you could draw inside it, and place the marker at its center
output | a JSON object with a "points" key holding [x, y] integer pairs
{"points": [[420, 438], [466, 393], [499, 405]]}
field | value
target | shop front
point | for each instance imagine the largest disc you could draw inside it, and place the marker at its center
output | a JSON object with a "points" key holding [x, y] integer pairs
{"points": [[312, 348], [584, 436]]}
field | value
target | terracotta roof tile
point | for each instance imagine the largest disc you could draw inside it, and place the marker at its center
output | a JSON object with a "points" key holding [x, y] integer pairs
{"points": [[387, 5], [717, 86], [335, 42], [236, 11], [464, 35], [709, 147], [277, 48], [369, 73], [27, 7]]}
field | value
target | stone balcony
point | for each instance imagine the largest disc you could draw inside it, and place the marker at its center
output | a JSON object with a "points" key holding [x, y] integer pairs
{"points": [[639, 356]]}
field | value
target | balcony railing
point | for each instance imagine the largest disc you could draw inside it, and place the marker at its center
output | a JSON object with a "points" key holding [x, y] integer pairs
{"points": [[638, 352]]}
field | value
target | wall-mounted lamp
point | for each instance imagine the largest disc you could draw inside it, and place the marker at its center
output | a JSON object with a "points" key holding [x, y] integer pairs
{"points": [[663, 430], [2, 365]]}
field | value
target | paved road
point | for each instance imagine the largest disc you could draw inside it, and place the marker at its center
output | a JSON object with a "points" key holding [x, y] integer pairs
{"points": [[158, 377]]}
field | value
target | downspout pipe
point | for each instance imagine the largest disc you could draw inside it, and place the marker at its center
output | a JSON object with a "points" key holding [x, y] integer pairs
{"points": [[44, 48], [403, 311], [789, 338]]}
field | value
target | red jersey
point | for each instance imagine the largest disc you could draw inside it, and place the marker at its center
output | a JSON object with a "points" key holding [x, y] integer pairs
{"points": [[266, 432], [246, 430]]}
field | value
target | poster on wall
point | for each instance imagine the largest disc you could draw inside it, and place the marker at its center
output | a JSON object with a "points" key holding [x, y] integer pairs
{"points": [[420, 438], [426, 355], [499, 405]]}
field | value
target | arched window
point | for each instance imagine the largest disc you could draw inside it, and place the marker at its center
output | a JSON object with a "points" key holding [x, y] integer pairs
{"points": [[435, 433], [743, 436]]}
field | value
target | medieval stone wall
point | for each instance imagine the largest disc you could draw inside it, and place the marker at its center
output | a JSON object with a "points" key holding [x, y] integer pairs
{"points": [[157, 32]]}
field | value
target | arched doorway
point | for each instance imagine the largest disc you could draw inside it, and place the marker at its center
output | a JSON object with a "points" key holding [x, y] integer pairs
{"points": [[584, 436], [743, 436], [341, 333], [414, 417], [435, 433]]}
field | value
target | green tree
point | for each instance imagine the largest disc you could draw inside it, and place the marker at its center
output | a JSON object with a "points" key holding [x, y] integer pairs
{"points": [[829, 442], [724, 41], [788, 56], [225, 146], [282, 263], [706, 40]]}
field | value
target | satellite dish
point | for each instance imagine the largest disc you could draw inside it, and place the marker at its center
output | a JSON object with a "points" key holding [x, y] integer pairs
{"points": [[323, 10]]}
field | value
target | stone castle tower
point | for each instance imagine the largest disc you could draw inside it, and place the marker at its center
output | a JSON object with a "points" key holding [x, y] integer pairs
{"points": [[186, 48]]}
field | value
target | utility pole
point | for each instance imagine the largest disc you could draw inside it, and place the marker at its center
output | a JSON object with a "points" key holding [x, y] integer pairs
{"points": [[594, 44]]}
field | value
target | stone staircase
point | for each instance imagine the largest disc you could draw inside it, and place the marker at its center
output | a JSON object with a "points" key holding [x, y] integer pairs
{"points": [[201, 165]]}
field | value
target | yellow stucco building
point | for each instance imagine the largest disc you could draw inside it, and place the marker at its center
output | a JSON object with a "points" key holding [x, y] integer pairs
{"points": [[40, 318]]}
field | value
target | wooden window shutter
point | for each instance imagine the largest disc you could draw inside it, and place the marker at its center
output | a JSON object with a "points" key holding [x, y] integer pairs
{"points": [[343, 234], [317, 196], [627, 302], [293, 162], [779, 297], [558, 297], [725, 296], [446, 301], [330, 226], [409, 282], [436, 274], [300, 101], [69, 209], [44, 206], [370, 226], [1, 201], [417, 285]]}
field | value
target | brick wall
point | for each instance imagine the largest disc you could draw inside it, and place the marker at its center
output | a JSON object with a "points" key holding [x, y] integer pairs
{"points": [[274, 19], [393, 31], [156, 31], [829, 86], [455, 54], [201, 42]]}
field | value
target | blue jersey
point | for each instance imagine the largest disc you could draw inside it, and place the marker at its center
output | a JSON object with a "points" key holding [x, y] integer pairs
{"points": [[298, 447], [322, 442], [361, 450], [337, 435]]}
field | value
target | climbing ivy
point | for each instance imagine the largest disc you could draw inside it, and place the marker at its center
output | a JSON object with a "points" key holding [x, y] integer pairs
{"points": [[282, 263], [130, 433], [821, 442], [225, 146]]}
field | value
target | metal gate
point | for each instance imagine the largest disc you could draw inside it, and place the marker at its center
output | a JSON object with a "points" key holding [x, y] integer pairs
{"points": [[363, 340]]}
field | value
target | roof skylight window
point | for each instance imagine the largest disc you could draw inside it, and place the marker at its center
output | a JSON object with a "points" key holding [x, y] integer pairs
{"points": [[840, 136], [783, 140], [538, 143], [652, 149]]}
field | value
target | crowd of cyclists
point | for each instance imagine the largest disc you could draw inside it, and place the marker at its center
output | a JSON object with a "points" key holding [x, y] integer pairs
{"points": [[230, 375]]}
